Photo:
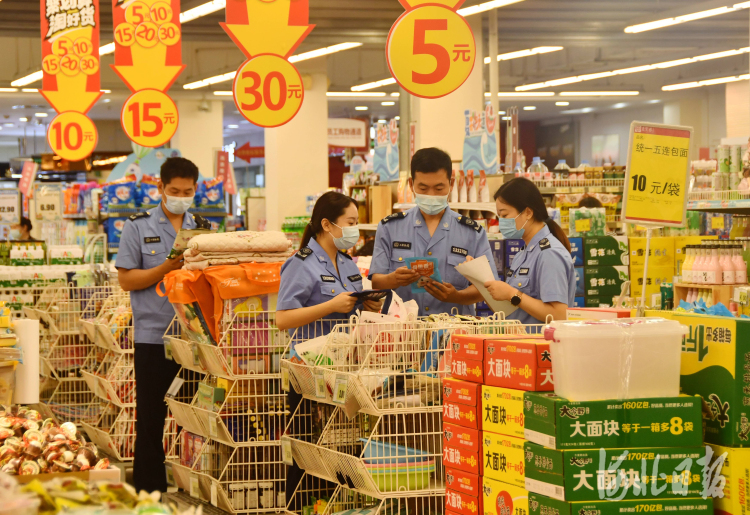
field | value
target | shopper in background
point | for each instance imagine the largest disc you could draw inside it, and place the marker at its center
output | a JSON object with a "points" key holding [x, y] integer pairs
{"points": [[541, 280], [22, 231], [431, 229], [141, 263], [590, 202]]}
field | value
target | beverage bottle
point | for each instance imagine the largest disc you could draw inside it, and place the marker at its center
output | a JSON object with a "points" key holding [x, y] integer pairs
{"points": [[687, 266], [709, 298], [713, 267], [535, 172], [697, 268], [518, 171], [727, 266], [740, 267], [562, 170]]}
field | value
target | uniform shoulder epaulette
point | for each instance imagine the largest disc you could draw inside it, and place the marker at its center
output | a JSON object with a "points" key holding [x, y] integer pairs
{"points": [[136, 216], [304, 253], [468, 222], [394, 216], [201, 223], [347, 256], [544, 244]]}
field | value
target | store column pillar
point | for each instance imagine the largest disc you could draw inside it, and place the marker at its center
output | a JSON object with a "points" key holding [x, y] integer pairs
{"points": [[297, 152], [690, 112], [440, 121], [200, 132]]}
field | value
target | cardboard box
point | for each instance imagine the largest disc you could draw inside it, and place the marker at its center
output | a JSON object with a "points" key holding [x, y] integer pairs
{"points": [[541, 505], [502, 411], [461, 437], [467, 346], [523, 364], [595, 302], [503, 499], [580, 283], [503, 458], [462, 504], [461, 414], [460, 392], [467, 370], [736, 470], [497, 247], [381, 203], [110, 475], [558, 423], [461, 459], [715, 363], [606, 251], [656, 276], [576, 474], [661, 251], [584, 313], [512, 247], [464, 482], [605, 281], [576, 251]]}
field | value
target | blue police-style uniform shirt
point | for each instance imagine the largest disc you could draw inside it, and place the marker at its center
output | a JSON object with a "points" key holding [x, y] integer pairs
{"points": [[405, 235], [309, 278], [543, 270], [145, 243]]}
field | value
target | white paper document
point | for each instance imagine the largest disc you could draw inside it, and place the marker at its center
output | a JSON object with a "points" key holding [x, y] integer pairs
{"points": [[478, 272]]}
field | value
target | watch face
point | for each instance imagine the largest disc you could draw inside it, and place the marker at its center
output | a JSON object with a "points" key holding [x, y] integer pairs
{"points": [[515, 300]]}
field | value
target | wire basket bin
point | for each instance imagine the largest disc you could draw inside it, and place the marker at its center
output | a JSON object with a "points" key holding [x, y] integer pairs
{"points": [[311, 493], [69, 400], [114, 431], [113, 325], [181, 349], [344, 499], [182, 390], [113, 379]]}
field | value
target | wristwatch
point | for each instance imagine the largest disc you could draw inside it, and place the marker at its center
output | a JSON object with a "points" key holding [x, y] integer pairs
{"points": [[516, 299]]}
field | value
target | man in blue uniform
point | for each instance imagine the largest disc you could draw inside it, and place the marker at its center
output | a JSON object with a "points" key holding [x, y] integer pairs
{"points": [[141, 263], [430, 230]]}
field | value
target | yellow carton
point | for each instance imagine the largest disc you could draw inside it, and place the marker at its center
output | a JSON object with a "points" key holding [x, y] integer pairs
{"points": [[656, 276], [502, 411], [662, 251], [736, 471], [503, 458], [499, 497]]}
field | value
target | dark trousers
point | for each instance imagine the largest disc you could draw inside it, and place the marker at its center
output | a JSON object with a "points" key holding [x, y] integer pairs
{"points": [[153, 375], [293, 473]]}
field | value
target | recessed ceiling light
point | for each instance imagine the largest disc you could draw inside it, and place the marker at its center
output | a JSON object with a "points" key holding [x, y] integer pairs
{"points": [[388, 103], [398, 118], [24, 119], [619, 105], [562, 104], [529, 108], [361, 108], [382, 120], [41, 115], [233, 126], [107, 100]]}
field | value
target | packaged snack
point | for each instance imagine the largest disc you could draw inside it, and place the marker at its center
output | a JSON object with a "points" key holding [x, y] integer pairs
{"points": [[427, 268], [212, 193], [471, 190], [462, 186], [114, 229], [121, 193], [484, 190], [148, 193]]}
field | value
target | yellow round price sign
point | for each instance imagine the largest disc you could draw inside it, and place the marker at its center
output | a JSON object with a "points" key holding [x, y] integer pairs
{"points": [[268, 90], [72, 136], [431, 51], [149, 118]]}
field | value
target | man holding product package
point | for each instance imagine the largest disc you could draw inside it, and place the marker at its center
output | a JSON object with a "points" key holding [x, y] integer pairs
{"points": [[142, 262], [416, 251]]}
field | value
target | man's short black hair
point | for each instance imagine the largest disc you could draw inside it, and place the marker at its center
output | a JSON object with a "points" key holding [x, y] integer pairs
{"points": [[178, 167], [431, 160], [25, 222]]}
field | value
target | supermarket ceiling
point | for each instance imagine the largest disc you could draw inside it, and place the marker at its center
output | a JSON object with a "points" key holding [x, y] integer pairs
{"points": [[590, 32]]}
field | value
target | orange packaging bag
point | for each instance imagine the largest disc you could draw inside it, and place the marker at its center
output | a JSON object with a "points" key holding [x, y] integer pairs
{"points": [[193, 300]]}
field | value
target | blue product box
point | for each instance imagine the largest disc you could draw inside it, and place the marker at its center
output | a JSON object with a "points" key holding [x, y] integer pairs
{"points": [[114, 229], [579, 302], [580, 282], [512, 247], [498, 252], [576, 250]]}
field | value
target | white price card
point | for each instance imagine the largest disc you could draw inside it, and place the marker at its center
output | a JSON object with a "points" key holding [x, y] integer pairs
{"points": [[320, 385], [9, 207], [214, 494], [339, 390], [213, 426], [286, 451], [195, 487], [48, 202], [177, 383], [284, 378]]}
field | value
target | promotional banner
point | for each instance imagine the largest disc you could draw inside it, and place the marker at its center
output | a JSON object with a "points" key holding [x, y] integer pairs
{"points": [[70, 67], [225, 172], [480, 141], [28, 174], [658, 174], [268, 89], [386, 158], [430, 48], [347, 132], [148, 59]]}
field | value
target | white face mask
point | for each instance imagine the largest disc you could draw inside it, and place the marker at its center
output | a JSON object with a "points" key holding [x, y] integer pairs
{"points": [[177, 205], [349, 237]]}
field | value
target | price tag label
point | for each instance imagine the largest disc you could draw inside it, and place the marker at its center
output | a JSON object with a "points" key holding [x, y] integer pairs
{"points": [[177, 383], [320, 385], [72, 136], [743, 297], [578, 189], [213, 426], [214, 494], [583, 225], [9, 208], [286, 451], [431, 50], [717, 222], [168, 351], [339, 390], [170, 474], [48, 203], [562, 190], [195, 487], [268, 90], [149, 118], [284, 378]]}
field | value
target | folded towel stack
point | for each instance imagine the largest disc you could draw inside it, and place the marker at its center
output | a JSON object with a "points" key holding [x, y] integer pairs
{"points": [[232, 248]]}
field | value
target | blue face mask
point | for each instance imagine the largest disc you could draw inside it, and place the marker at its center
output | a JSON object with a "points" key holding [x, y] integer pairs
{"points": [[508, 229], [431, 204]]}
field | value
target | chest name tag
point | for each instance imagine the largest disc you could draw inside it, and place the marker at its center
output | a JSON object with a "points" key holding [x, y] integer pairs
{"points": [[328, 278], [459, 251], [353, 278], [523, 271], [152, 239], [402, 245]]}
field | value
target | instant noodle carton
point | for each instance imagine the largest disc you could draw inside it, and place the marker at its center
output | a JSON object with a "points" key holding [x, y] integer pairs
{"points": [[502, 411], [523, 364], [558, 423], [460, 392], [500, 498], [462, 459], [464, 482], [541, 505], [460, 503], [462, 415], [461, 437], [736, 472], [596, 474], [503, 458]]}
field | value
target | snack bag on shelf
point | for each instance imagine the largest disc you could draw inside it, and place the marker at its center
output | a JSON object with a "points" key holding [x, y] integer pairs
{"points": [[484, 190], [462, 193], [212, 194], [121, 193], [148, 193], [471, 190], [587, 222]]}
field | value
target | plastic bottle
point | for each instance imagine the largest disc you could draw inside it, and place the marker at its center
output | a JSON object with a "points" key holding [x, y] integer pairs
{"points": [[687, 265], [518, 171], [708, 298], [562, 170], [740, 267], [727, 266], [698, 264], [713, 268], [537, 170]]}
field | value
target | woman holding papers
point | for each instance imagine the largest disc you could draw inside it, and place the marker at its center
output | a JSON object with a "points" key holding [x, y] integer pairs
{"points": [[541, 279]]}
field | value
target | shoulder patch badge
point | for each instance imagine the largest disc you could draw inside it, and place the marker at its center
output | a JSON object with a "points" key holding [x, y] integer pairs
{"points": [[139, 215], [394, 216], [468, 222], [304, 253], [544, 244]]}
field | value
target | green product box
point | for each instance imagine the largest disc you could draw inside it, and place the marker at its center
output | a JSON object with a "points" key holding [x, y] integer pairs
{"points": [[541, 505], [606, 251], [595, 302], [614, 474], [715, 364], [605, 281], [558, 423]]}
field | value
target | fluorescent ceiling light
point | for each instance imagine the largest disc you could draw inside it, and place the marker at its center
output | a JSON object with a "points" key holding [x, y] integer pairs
{"points": [[223, 93], [361, 108], [24, 119], [30, 90], [233, 126], [396, 94], [382, 121], [486, 6], [107, 100], [562, 104], [8, 90], [107, 49], [388, 103], [356, 95], [202, 10], [634, 69], [106, 91], [619, 105], [501, 112], [398, 118], [373, 85], [323, 51], [600, 93], [506, 118], [25, 81], [505, 94], [211, 80], [578, 111], [41, 115], [668, 22], [709, 82], [529, 108], [524, 53]]}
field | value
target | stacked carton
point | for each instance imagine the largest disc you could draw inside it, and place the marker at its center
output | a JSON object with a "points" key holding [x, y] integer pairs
{"points": [[605, 268]]}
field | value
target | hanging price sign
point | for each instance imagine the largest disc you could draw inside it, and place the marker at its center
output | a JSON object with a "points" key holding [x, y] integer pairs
{"points": [[48, 201], [10, 203], [657, 175], [431, 49], [149, 118], [72, 135], [268, 89]]}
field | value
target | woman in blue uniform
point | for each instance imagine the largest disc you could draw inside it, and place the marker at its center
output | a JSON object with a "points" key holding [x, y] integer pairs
{"points": [[541, 279]]}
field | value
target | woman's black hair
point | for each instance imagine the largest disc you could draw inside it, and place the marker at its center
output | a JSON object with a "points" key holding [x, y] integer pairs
{"points": [[330, 206], [590, 202], [522, 193]]}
